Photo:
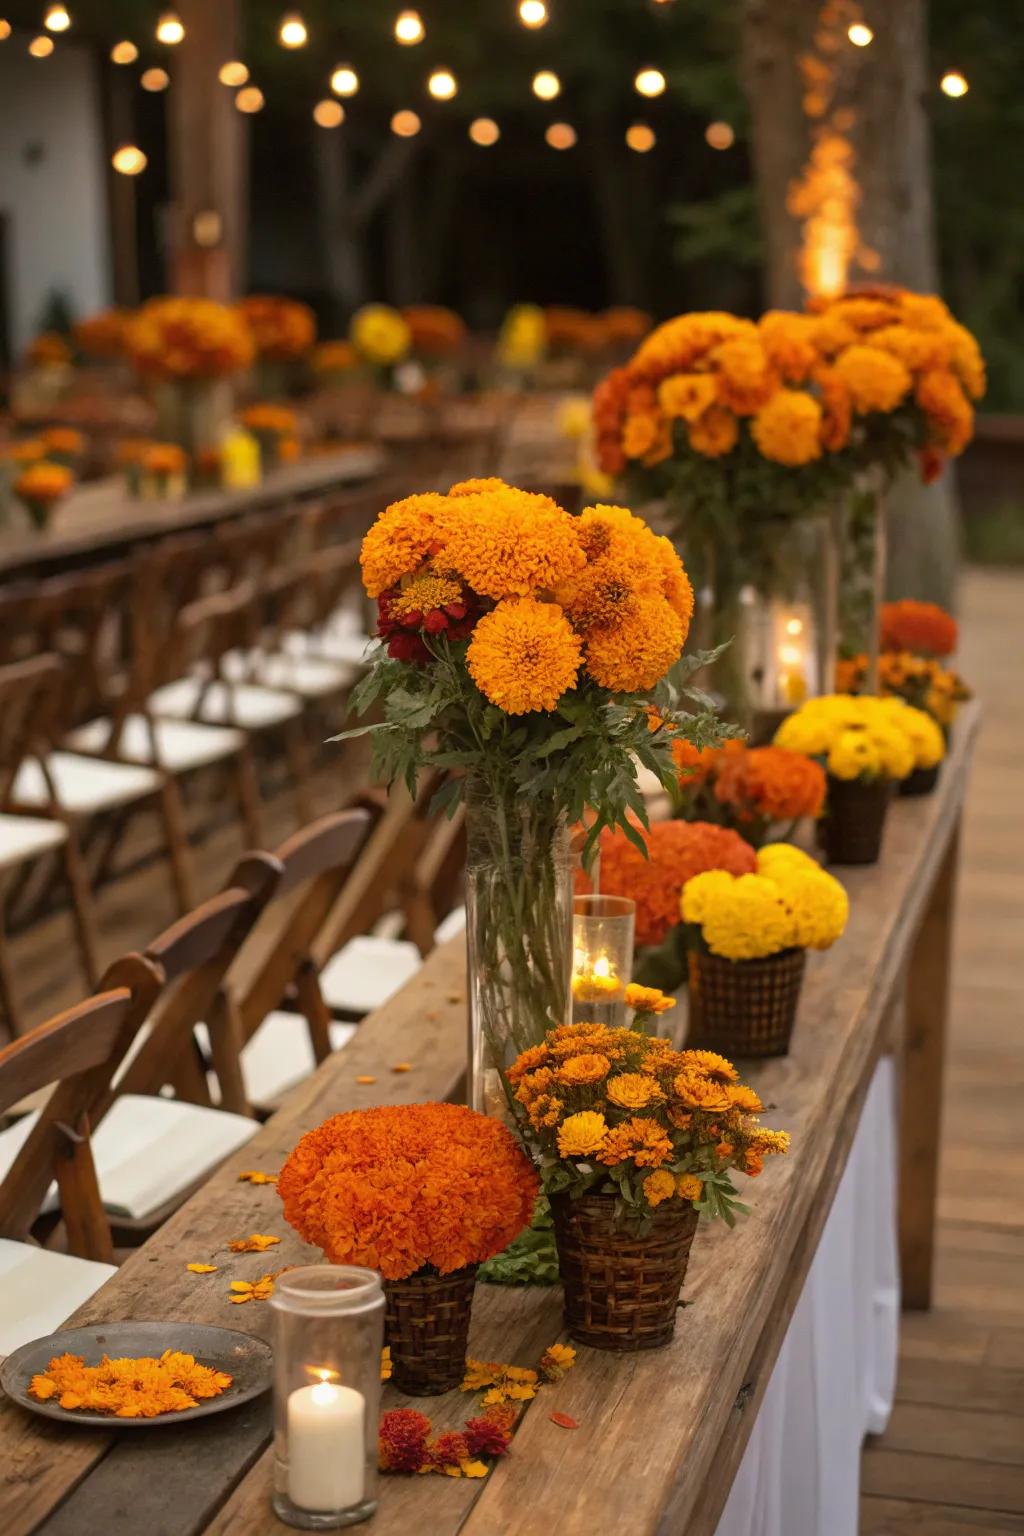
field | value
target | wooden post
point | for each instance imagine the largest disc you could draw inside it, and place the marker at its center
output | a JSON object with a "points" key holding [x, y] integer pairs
{"points": [[207, 156], [924, 1048]]}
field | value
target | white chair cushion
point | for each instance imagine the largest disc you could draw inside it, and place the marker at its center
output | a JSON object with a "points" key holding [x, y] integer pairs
{"points": [[147, 1150], [40, 1290], [366, 972], [451, 926], [245, 705], [26, 837], [182, 744], [312, 677], [349, 647], [280, 1055], [83, 784]]}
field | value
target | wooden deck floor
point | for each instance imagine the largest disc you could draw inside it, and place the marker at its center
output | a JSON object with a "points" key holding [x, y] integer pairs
{"points": [[952, 1460]]}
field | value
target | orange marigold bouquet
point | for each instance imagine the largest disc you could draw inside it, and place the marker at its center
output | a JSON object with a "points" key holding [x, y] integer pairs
{"points": [[751, 789], [102, 335], [616, 1111], [282, 329], [924, 629], [434, 331], [40, 486], [183, 338], [921, 681]]}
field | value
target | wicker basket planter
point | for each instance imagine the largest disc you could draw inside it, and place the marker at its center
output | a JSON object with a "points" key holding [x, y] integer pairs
{"points": [[744, 1007], [851, 829], [426, 1323], [921, 782], [621, 1291]]}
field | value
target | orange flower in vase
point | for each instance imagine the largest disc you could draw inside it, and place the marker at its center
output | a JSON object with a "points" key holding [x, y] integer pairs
{"points": [[40, 487], [64, 445], [924, 629], [164, 464]]}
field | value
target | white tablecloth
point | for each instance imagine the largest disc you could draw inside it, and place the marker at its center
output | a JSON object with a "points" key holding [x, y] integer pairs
{"points": [[834, 1378]]}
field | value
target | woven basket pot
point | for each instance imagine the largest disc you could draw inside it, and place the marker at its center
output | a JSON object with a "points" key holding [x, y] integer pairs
{"points": [[426, 1323], [621, 1291], [744, 1007], [921, 782], [851, 829]]}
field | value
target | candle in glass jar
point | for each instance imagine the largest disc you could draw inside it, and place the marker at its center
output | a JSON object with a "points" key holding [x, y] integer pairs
{"points": [[326, 1447]]}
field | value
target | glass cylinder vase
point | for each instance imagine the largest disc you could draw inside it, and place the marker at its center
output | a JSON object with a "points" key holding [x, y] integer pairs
{"points": [[328, 1336], [519, 874], [602, 958], [863, 546]]}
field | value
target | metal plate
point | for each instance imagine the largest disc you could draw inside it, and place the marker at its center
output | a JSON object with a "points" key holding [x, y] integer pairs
{"points": [[245, 1359]]}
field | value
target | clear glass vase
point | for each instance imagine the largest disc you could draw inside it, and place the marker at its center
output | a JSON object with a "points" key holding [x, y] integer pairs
{"points": [[519, 885]]}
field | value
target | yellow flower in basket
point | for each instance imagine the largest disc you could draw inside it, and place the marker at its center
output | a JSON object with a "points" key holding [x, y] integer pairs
{"points": [[380, 335], [790, 903]]}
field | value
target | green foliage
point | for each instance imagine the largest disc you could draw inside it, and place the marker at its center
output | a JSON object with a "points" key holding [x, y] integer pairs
{"points": [[531, 1258], [723, 228]]}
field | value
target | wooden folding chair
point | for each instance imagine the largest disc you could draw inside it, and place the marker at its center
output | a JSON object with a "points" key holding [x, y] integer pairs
{"points": [[78, 1052]]}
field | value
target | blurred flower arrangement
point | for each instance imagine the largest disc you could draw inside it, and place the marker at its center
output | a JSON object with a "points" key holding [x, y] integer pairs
{"points": [[282, 329], [919, 680], [434, 332], [925, 629], [751, 789], [334, 360], [48, 350], [163, 467], [522, 341], [40, 486], [790, 902], [862, 737], [274, 427], [183, 338], [380, 336], [64, 445], [104, 334]]}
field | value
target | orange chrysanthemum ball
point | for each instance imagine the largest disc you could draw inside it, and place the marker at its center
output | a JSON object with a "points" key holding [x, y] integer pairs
{"points": [[408, 1187], [677, 850], [925, 629], [504, 542], [524, 655], [400, 540], [771, 782]]}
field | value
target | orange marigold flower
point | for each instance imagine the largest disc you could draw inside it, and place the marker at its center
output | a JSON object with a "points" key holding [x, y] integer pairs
{"points": [[524, 655], [648, 999], [710, 1064], [914, 626], [400, 540], [43, 482], [486, 1436], [677, 850], [634, 1090], [789, 343], [876, 380], [787, 428], [688, 1186], [716, 433], [510, 543], [582, 1135], [642, 1139], [746, 378], [697, 1092], [659, 1186], [545, 1111], [687, 395], [282, 328], [771, 782], [527, 1061], [837, 407], [744, 1098], [475, 487], [634, 655], [590, 1067], [640, 434]]}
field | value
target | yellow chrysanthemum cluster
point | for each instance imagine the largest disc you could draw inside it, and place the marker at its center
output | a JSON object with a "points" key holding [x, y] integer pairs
{"points": [[859, 736], [543, 596], [380, 335], [791, 903], [617, 1099]]}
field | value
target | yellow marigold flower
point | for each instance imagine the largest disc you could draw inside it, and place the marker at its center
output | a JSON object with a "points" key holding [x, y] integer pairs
{"points": [[926, 739], [582, 1135], [640, 434], [380, 334], [633, 656], [590, 1067], [745, 922], [696, 898], [854, 754], [716, 433], [917, 349], [634, 1090], [743, 1098], [400, 540], [770, 1143], [876, 380], [426, 591], [659, 1186], [688, 1186], [775, 854], [687, 395], [817, 902], [524, 655], [510, 543], [710, 1064], [648, 999], [696, 1092], [789, 342], [787, 429], [534, 1056]]}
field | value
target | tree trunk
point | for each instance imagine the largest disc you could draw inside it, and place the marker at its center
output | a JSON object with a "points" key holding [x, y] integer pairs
{"points": [[893, 169]]}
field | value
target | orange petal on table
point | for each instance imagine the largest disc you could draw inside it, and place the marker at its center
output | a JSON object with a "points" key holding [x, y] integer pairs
{"points": [[256, 1242], [564, 1421], [455, 997], [473, 1468], [365, 1079], [202, 1269], [253, 1176], [402, 1066]]}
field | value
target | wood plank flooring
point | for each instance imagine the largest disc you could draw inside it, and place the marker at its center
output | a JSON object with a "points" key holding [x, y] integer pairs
{"points": [[952, 1460]]}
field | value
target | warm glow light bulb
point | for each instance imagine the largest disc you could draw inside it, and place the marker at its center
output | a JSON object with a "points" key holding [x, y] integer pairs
{"points": [[720, 135], [650, 82], [561, 136], [602, 966], [860, 35], [41, 47], [328, 113], [5, 30], [249, 99], [57, 18], [409, 28], [484, 131], [128, 160], [154, 79], [124, 52], [533, 13], [794, 626], [954, 84], [234, 73], [546, 85], [292, 31], [442, 85], [641, 138], [406, 124], [170, 29], [344, 81]]}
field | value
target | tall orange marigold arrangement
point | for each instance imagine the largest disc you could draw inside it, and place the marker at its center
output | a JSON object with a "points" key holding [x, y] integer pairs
{"points": [[184, 338], [282, 329]]}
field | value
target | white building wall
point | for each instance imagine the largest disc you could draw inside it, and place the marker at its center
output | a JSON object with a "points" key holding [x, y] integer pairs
{"points": [[52, 189]]}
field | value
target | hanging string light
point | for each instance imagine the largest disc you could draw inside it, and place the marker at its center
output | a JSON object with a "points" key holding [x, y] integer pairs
{"points": [[329, 113], [249, 99], [533, 13], [484, 131], [405, 124], [5, 30], [128, 160], [170, 29], [154, 79], [442, 85], [860, 34], [641, 137], [57, 18], [233, 73], [649, 82], [547, 85], [124, 52], [561, 136], [954, 84], [720, 135], [292, 32], [409, 28], [41, 47], [344, 81]]}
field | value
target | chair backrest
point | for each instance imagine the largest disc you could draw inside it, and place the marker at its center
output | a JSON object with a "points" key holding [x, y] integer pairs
{"points": [[30, 693], [207, 629], [79, 1051]]}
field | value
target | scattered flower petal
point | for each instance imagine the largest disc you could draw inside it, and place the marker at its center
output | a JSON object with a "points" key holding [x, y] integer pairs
{"points": [[366, 1079], [202, 1269], [254, 1176], [402, 1066], [256, 1242], [564, 1420]]}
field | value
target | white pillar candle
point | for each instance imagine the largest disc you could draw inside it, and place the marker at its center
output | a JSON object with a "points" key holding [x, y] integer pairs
{"points": [[326, 1447]]}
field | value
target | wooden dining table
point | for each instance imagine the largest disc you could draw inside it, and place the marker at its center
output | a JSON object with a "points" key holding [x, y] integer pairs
{"points": [[659, 1434]]}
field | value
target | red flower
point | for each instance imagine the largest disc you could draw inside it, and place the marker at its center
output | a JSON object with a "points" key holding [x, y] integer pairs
{"points": [[448, 1450], [402, 1440], [924, 629], [487, 1437]]}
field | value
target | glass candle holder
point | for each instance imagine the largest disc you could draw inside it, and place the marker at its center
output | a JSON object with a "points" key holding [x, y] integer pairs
{"points": [[328, 1335], [602, 958]]}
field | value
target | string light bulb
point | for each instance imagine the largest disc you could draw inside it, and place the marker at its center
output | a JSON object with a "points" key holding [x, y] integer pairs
{"points": [[344, 81], [442, 85], [124, 52], [533, 13], [233, 73], [954, 84], [561, 136], [720, 135], [649, 82], [329, 113], [128, 160], [409, 28], [641, 138], [860, 35], [292, 32], [170, 29], [249, 99], [546, 85], [5, 30], [57, 18], [154, 79], [41, 47], [405, 124], [484, 131]]}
